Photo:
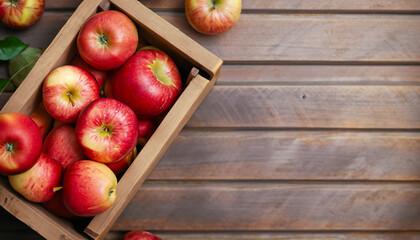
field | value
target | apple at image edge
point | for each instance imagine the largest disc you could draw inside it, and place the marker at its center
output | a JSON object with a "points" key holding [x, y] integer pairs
{"points": [[21, 14], [212, 17]]}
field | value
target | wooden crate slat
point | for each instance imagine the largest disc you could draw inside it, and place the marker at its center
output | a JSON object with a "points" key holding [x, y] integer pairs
{"points": [[375, 107], [290, 38], [281, 5], [273, 206], [291, 155]]}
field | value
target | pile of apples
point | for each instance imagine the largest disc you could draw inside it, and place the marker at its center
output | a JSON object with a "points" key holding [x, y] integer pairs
{"points": [[73, 171]]}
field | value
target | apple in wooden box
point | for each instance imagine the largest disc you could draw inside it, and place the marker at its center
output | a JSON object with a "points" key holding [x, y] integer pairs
{"points": [[185, 52]]}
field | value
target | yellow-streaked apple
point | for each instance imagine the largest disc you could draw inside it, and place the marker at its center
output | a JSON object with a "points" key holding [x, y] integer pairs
{"points": [[21, 14], [89, 188], [39, 183], [107, 130], [67, 90], [212, 16]]}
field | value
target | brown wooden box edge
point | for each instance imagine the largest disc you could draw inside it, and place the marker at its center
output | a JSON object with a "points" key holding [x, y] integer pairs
{"points": [[157, 31]]}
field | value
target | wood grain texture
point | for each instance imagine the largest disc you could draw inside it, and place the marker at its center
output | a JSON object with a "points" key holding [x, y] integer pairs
{"points": [[291, 155], [402, 6], [319, 74], [273, 206], [373, 107], [288, 38], [314, 38]]}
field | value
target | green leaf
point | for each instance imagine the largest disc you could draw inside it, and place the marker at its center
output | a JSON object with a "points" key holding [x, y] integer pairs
{"points": [[10, 47], [6, 86], [21, 65]]}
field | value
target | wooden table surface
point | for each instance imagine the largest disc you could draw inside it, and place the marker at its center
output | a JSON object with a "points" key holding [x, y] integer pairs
{"points": [[312, 130]]}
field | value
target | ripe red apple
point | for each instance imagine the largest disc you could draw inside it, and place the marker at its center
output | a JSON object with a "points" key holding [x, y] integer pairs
{"points": [[100, 76], [20, 143], [66, 91], [146, 128], [56, 206], [89, 188], [123, 164], [107, 130], [38, 183], [149, 83], [140, 235], [42, 119], [61, 144], [212, 16], [107, 40], [20, 14]]}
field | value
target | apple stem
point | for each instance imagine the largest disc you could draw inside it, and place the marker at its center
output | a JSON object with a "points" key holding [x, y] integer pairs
{"points": [[71, 100], [105, 129], [103, 39], [13, 3], [9, 147], [111, 191], [57, 189]]}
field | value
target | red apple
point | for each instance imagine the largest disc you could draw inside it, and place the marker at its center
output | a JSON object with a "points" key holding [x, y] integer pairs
{"points": [[140, 235], [149, 83], [42, 119], [107, 130], [123, 164], [100, 76], [61, 144], [39, 183], [56, 206], [20, 143], [107, 40], [89, 188], [66, 91], [20, 14], [146, 128], [212, 16]]}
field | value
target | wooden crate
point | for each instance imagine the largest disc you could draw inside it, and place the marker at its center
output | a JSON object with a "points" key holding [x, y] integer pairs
{"points": [[188, 56]]}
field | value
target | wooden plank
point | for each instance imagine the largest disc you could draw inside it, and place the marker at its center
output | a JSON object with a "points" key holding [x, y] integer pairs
{"points": [[273, 206], [402, 6], [374, 107], [291, 155], [314, 38], [319, 74], [287, 38]]}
